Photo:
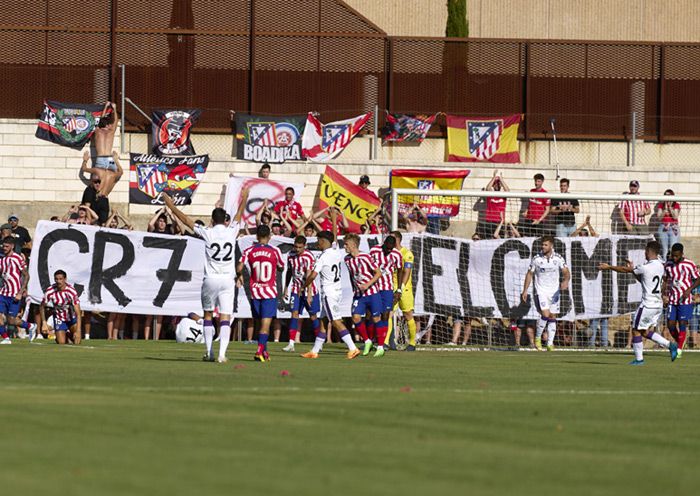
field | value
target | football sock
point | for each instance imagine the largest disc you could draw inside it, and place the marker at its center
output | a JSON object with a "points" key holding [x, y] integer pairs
{"points": [[412, 332], [551, 331], [23, 324], [361, 329], [371, 329], [3, 332], [224, 337], [674, 332], [262, 342], [315, 325], [381, 328], [658, 338], [318, 343], [293, 329], [389, 330], [209, 336], [540, 326], [682, 334], [347, 339], [638, 346]]}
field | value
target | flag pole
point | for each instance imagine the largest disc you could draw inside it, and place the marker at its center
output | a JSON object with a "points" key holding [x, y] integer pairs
{"points": [[556, 149], [376, 132]]}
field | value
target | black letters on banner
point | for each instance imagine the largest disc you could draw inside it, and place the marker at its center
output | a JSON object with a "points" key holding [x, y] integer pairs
{"points": [[498, 278], [583, 266], [624, 280], [172, 274], [431, 271], [49, 240], [463, 275], [101, 277]]}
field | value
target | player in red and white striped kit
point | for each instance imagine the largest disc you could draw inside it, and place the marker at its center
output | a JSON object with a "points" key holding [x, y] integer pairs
{"points": [[263, 261], [14, 278], [66, 309], [364, 274], [680, 275], [300, 263], [389, 260]]}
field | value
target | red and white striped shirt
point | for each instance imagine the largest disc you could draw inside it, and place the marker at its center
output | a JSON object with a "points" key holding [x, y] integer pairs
{"points": [[292, 208], [679, 277], [63, 302], [633, 210], [388, 264], [362, 269], [11, 267], [263, 262], [299, 265]]}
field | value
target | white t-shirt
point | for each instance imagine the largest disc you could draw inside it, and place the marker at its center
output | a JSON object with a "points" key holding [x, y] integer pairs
{"points": [[650, 274], [220, 249], [328, 265], [546, 272]]}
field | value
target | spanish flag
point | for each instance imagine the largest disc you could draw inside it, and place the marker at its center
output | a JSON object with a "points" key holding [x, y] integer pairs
{"points": [[433, 206], [356, 204], [471, 139]]}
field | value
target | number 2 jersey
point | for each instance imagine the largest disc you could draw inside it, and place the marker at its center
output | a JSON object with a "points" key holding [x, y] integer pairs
{"points": [[220, 249], [263, 262], [650, 274]]}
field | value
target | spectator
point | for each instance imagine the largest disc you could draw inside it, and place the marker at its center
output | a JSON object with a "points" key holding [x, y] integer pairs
{"points": [[668, 232], [6, 232], [529, 326], [99, 204], [289, 206], [310, 230], [585, 229], [104, 138], [416, 221], [536, 212], [495, 208], [459, 324], [264, 172], [364, 184], [632, 213], [375, 224], [276, 228], [116, 218], [322, 221], [82, 214], [159, 223], [20, 233], [564, 212], [109, 174]]}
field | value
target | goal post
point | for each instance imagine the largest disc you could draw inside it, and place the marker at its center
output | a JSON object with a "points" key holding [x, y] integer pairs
{"points": [[471, 287]]}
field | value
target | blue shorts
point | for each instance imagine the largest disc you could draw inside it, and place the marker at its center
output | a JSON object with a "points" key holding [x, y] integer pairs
{"points": [[103, 162], [679, 312], [387, 299], [264, 309], [65, 326], [373, 303], [299, 303], [9, 306]]}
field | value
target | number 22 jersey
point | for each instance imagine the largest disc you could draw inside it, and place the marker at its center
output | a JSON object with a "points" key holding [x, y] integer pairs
{"points": [[650, 275], [220, 248]]}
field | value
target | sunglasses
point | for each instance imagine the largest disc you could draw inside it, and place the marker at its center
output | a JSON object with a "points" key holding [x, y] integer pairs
{"points": [[96, 181]]}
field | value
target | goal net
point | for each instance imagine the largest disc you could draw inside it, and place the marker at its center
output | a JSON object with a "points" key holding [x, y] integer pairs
{"points": [[470, 268]]}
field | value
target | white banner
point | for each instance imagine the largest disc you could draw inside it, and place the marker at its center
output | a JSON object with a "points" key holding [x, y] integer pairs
{"points": [[460, 277], [260, 190], [119, 271]]}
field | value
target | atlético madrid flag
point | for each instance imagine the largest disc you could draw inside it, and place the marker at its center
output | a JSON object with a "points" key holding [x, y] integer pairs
{"points": [[474, 139], [433, 206], [323, 142]]}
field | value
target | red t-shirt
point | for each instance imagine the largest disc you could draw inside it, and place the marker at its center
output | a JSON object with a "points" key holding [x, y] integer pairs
{"points": [[537, 206], [327, 225], [668, 219], [494, 208], [293, 209]]}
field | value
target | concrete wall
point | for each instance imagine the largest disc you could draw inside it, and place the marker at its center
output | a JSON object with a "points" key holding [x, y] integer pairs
{"points": [[631, 20], [38, 179]]}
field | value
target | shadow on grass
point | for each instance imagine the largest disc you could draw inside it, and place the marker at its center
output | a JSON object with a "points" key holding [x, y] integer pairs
{"points": [[591, 363], [168, 359]]}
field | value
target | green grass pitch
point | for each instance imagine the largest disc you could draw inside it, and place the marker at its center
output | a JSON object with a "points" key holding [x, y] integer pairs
{"points": [[151, 418]]}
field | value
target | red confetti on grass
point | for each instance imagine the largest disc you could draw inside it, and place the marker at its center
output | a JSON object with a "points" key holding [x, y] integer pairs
{"points": [[406, 389], [284, 373], [239, 366]]}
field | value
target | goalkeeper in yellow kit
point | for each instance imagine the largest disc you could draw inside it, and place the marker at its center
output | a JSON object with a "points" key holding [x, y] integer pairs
{"points": [[403, 293]]}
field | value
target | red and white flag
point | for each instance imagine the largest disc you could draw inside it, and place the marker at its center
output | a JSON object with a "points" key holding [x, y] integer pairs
{"points": [[323, 142]]}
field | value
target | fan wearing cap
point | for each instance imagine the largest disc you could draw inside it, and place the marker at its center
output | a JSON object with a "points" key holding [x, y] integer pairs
{"points": [[364, 184], [19, 232], [632, 213]]}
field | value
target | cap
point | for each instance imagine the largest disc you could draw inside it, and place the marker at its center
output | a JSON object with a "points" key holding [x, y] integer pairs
{"points": [[276, 224], [634, 183], [12, 217], [6, 226], [364, 179]]}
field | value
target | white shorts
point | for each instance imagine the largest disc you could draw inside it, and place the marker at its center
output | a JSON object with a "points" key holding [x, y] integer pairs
{"points": [[548, 302], [218, 292], [330, 305], [644, 317]]}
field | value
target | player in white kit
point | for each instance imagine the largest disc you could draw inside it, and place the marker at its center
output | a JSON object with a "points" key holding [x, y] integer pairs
{"points": [[327, 269], [545, 268], [218, 288], [650, 274]]}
